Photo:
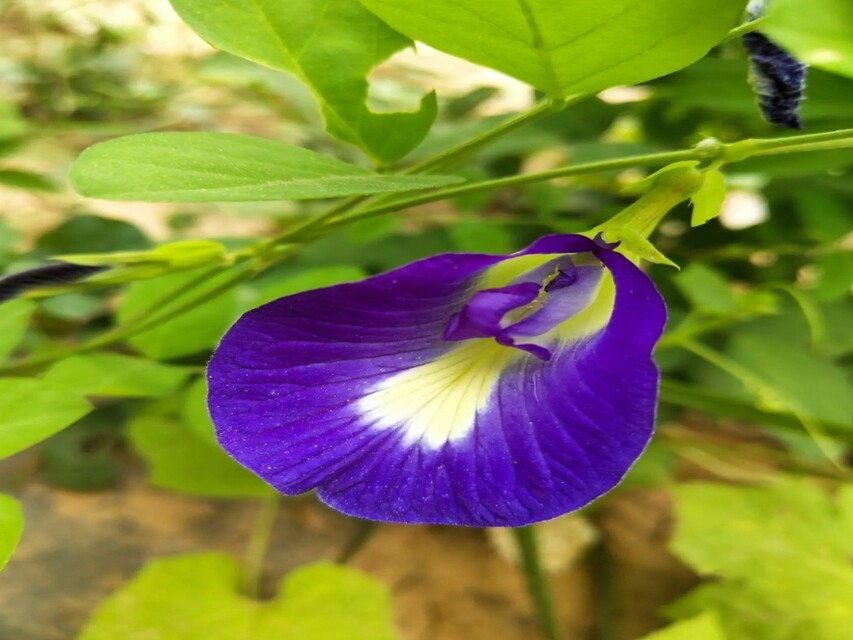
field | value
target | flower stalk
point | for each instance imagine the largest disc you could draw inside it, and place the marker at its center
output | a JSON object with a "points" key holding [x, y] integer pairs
{"points": [[253, 560], [537, 581]]}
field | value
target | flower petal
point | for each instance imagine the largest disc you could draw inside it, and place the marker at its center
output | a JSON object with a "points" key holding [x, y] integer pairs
{"points": [[352, 390]]}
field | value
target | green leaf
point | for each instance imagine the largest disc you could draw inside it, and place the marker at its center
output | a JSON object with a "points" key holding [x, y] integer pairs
{"points": [[25, 180], [331, 45], [481, 236], [568, 47], [11, 527], [12, 124], [779, 555], [14, 317], [703, 627], [796, 378], [32, 410], [724, 405], [706, 290], [196, 597], [188, 333], [92, 234], [708, 199], [194, 412], [818, 34], [180, 459], [76, 307], [279, 285], [225, 167], [114, 374]]}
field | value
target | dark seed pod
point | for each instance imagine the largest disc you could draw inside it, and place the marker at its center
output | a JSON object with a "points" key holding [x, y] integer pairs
{"points": [[55, 273], [778, 78]]}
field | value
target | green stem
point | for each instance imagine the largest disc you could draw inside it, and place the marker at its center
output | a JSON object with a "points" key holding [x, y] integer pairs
{"points": [[652, 159], [469, 147], [746, 27], [840, 139], [253, 560], [720, 153], [604, 606], [537, 581]]}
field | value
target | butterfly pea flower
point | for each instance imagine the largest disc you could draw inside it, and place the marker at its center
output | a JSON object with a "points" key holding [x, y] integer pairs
{"points": [[464, 388]]}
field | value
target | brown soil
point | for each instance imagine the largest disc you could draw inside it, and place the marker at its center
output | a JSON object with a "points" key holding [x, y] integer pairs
{"points": [[447, 583]]}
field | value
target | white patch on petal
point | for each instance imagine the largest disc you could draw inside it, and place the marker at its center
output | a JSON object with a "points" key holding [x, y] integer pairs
{"points": [[438, 402]]}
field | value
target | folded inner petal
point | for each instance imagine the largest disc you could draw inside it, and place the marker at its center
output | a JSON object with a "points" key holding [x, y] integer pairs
{"points": [[481, 316], [576, 290]]}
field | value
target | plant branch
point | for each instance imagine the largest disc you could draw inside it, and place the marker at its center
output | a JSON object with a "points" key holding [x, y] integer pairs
{"points": [[716, 152], [469, 147]]}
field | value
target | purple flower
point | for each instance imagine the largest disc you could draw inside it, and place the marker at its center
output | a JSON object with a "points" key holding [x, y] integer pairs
{"points": [[465, 389]]}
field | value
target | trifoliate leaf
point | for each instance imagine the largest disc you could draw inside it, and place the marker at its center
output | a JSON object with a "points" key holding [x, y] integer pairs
{"points": [[197, 598], [779, 556]]}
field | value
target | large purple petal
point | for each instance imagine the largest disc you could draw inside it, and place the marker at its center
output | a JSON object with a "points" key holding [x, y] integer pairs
{"points": [[352, 390]]}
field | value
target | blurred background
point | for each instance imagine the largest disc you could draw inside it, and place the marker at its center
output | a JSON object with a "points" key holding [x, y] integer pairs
{"points": [[749, 470]]}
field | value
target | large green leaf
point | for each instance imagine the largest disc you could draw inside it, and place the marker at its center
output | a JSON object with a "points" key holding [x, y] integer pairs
{"points": [[570, 46], [14, 318], [32, 410], [818, 32], [780, 556], [225, 167], [331, 45], [196, 598], [181, 459], [115, 374], [11, 526]]}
